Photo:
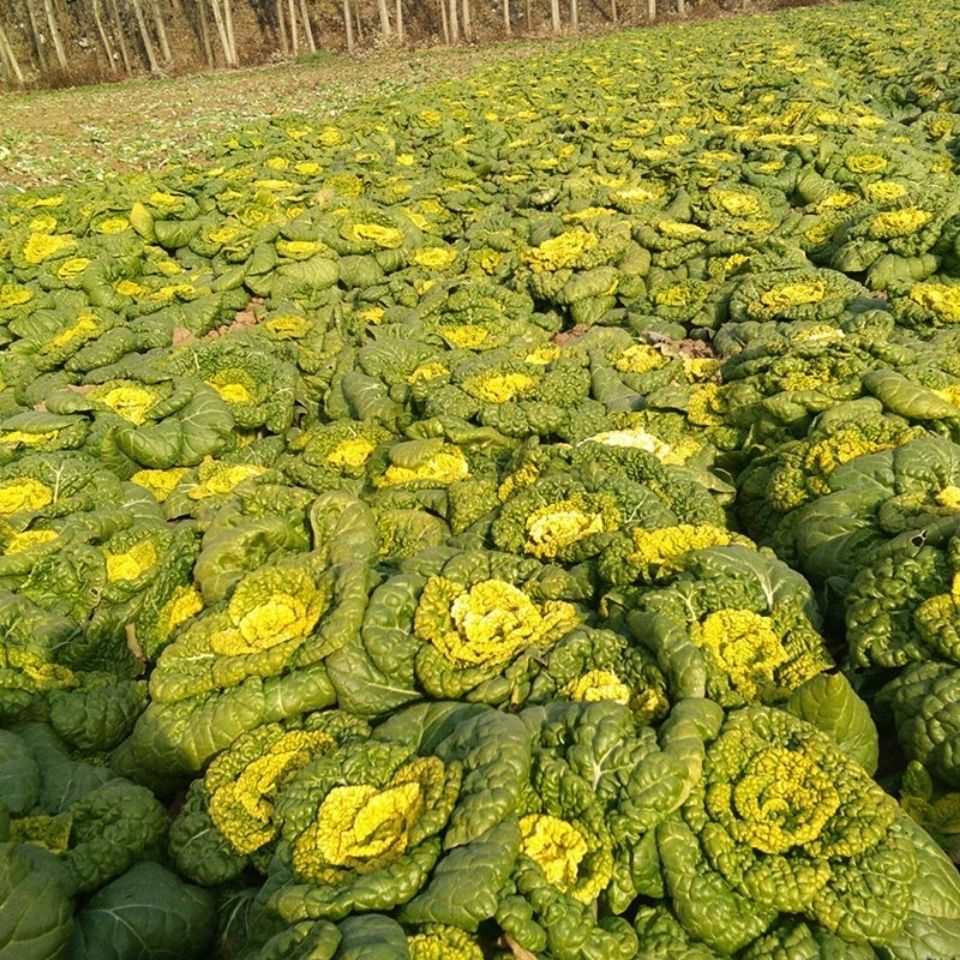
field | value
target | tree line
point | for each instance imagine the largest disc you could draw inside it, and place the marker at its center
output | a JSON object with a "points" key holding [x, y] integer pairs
{"points": [[60, 41]]}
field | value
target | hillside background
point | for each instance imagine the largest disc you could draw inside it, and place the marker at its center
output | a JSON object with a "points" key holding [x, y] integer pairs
{"points": [[53, 43]]}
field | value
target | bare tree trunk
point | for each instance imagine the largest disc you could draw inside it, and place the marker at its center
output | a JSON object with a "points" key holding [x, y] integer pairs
{"points": [[35, 31], [358, 24], [614, 14], [467, 21], [145, 37], [574, 16], [231, 37], [221, 31], [6, 69], [282, 27], [529, 15], [161, 31], [294, 39], [8, 59], [454, 23], [445, 22], [307, 29], [55, 34], [398, 17], [121, 35], [555, 15], [348, 23], [506, 17], [104, 38], [651, 9], [682, 8], [384, 15], [205, 36]]}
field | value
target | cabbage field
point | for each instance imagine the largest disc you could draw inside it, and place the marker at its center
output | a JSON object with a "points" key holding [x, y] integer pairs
{"points": [[518, 517]]}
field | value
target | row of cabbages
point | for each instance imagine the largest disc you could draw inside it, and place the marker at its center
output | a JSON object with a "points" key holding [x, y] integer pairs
{"points": [[495, 523]]}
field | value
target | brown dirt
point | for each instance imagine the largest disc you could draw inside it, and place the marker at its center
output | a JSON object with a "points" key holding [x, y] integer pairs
{"points": [[566, 337]]}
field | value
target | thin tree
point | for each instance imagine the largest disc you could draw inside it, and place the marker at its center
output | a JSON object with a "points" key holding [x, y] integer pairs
{"points": [[307, 29], [55, 36], [161, 31], [574, 15], [38, 43], [682, 7], [205, 34], [8, 58], [119, 35], [445, 22], [398, 19], [282, 27], [506, 17], [454, 23], [651, 9], [348, 24], [384, 13], [555, 15], [231, 36], [294, 39], [219, 19], [467, 21], [104, 36], [145, 36]]}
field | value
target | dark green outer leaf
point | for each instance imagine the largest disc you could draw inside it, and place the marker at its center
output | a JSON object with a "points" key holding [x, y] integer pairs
{"points": [[147, 914], [465, 884], [36, 912], [372, 937]]}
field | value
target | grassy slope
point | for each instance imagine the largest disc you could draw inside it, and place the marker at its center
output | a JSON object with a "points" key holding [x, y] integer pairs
{"points": [[87, 132]]}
